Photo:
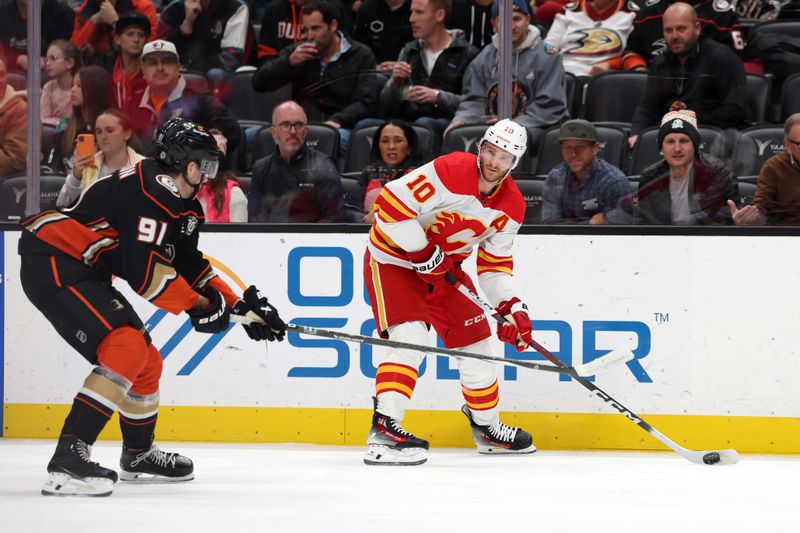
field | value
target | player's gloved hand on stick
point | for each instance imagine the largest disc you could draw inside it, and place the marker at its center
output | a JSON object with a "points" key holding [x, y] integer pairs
{"points": [[214, 317], [519, 328], [272, 328], [432, 264]]}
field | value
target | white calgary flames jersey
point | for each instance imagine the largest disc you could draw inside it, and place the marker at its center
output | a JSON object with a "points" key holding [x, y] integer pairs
{"points": [[443, 198], [584, 41]]}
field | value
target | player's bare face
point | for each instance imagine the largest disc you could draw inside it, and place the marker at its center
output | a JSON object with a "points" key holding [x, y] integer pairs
{"points": [[680, 32], [678, 150], [111, 137], [393, 145], [495, 163]]}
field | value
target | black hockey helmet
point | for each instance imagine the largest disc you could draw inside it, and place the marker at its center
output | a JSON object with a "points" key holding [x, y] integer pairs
{"points": [[179, 141]]}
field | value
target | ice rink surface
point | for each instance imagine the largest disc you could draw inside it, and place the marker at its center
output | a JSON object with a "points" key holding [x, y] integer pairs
{"points": [[304, 488]]}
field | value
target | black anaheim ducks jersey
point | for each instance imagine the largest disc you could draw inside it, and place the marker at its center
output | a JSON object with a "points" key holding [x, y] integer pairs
{"points": [[132, 224], [717, 18]]}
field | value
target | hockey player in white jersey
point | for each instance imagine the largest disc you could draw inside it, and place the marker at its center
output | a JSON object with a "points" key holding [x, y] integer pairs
{"points": [[426, 224]]}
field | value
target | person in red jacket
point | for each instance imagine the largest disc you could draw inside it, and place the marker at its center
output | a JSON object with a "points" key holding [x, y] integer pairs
{"points": [[95, 21]]}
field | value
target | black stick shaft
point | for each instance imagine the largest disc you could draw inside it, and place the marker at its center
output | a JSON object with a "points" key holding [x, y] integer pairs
{"points": [[362, 339]]}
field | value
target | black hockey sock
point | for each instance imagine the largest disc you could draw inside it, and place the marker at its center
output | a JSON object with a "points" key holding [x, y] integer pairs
{"points": [[137, 435], [86, 419]]}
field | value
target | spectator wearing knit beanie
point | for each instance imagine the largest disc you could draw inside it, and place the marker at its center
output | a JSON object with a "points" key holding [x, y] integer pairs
{"points": [[687, 187]]}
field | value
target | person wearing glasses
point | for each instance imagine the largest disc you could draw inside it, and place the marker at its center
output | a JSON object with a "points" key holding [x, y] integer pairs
{"points": [[167, 96], [777, 198], [296, 183]]}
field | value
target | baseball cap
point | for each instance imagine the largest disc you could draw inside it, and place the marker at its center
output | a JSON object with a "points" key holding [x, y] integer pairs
{"points": [[158, 45], [133, 18], [579, 130], [521, 5]]}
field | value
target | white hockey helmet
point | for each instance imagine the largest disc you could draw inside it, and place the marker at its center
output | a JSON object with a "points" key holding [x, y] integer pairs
{"points": [[508, 135]]}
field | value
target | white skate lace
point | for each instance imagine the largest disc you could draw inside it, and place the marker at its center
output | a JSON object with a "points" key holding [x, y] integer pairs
{"points": [[157, 456], [84, 451], [397, 428], [502, 432]]}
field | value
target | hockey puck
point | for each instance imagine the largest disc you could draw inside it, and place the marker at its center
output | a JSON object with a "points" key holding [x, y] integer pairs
{"points": [[711, 458]]}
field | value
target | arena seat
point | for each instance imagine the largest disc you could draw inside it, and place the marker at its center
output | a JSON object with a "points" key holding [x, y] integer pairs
{"points": [[358, 155], [646, 152], [237, 93], [790, 96], [613, 143], [755, 146], [320, 136], [613, 96], [13, 194]]}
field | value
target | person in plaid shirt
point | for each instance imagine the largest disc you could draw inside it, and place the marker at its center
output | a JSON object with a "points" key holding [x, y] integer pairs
{"points": [[585, 189]]}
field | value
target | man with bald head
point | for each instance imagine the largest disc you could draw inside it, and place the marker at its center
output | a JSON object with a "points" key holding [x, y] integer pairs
{"points": [[296, 183], [705, 75]]}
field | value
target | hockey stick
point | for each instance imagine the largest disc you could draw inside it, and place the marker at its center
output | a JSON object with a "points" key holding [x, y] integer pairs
{"points": [[709, 457], [576, 371]]}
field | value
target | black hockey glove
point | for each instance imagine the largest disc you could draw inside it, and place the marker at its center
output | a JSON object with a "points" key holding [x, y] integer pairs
{"points": [[272, 329], [215, 317]]}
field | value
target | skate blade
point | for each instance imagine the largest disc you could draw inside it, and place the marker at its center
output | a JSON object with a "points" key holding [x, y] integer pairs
{"points": [[384, 455], [60, 484], [144, 478], [493, 449]]}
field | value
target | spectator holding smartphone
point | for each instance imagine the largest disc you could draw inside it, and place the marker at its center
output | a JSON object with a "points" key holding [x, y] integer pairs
{"points": [[112, 132], [89, 97]]}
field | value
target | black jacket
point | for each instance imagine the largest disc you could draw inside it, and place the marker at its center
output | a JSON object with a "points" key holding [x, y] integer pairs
{"points": [[446, 75], [718, 21], [713, 85], [713, 184], [344, 91], [474, 20], [57, 23], [219, 35], [306, 189], [383, 30]]}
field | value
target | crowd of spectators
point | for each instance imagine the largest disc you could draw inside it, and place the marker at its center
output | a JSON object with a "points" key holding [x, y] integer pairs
{"points": [[418, 72]]}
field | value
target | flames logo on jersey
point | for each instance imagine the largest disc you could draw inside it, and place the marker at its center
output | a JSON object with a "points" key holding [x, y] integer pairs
{"points": [[449, 228], [595, 41]]}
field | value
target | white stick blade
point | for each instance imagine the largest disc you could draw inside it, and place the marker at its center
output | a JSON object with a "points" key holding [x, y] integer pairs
{"points": [[719, 457], [613, 358]]}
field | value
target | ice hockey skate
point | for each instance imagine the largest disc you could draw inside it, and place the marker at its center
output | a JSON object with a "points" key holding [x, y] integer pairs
{"points": [[72, 473], [390, 444], [499, 438], [154, 466]]}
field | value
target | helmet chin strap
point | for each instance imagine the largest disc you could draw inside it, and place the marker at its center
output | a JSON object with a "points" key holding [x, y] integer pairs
{"points": [[195, 188]]}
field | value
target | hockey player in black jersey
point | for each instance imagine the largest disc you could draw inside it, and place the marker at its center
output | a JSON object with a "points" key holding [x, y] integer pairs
{"points": [[141, 224]]}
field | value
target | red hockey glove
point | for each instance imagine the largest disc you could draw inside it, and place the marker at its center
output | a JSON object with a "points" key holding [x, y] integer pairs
{"points": [[518, 329], [431, 264]]}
